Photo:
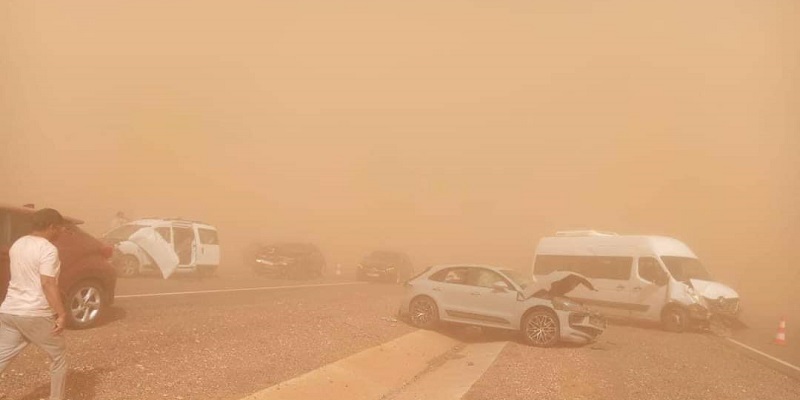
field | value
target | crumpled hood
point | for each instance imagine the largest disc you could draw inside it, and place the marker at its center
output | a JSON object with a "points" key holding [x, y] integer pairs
{"points": [[557, 284], [713, 290]]}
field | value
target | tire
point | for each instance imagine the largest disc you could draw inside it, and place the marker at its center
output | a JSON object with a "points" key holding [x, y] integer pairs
{"points": [[540, 328], [128, 266], [423, 312], [86, 304], [675, 319]]}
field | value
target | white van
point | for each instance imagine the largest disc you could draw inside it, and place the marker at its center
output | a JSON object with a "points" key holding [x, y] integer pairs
{"points": [[652, 278], [168, 245]]}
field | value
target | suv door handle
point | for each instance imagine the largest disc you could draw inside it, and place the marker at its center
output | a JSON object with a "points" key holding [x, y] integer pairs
{"points": [[620, 287], [637, 288], [437, 289], [475, 293]]}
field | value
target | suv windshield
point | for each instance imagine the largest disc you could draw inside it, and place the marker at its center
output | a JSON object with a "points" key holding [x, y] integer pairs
{"points": [[519, 279], [123, 232], [685, 268]]}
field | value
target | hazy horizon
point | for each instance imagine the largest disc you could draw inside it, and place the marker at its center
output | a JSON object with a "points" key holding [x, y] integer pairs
{"points": [[460, 131]]}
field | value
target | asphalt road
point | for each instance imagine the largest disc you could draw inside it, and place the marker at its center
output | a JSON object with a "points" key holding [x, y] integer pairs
{"points": [[227, 345]]}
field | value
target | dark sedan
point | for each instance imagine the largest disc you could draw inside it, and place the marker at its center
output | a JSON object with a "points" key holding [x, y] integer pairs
{"points": [[385, 266], [289, 260]]}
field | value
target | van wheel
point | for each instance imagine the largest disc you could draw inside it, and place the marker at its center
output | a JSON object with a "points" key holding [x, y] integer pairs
{"points": [[128, 266], [85, 304], [675, 319], [540, 328]]}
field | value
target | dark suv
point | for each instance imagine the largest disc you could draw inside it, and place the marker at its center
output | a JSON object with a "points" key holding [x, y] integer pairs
{"points": [[387, 266], [289, 260], [87, 280]]}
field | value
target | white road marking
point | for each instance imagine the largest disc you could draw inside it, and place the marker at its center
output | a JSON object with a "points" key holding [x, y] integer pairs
{"points": [[453, 379], [761, 353], [253, 289], [368, 375]]}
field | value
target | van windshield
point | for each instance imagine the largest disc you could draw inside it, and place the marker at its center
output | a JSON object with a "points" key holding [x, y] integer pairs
{"points": [[685, 268], [123, 232]]}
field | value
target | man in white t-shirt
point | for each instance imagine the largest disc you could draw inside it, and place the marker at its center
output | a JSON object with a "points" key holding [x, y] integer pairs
{"points": [[33, 311]]}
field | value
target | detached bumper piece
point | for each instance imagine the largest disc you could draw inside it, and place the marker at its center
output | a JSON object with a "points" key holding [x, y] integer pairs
{"points": [[588, 323]]}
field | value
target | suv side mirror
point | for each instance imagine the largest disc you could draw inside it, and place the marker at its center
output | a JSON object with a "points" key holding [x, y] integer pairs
{"points": [[500, 286]]}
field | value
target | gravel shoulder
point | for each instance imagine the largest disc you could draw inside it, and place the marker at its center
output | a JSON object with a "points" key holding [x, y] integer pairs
{"points": [[633, 363], [213, 346]]}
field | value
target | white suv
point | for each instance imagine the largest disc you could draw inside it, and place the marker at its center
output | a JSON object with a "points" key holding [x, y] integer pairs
{"points": [[168, 245], [500, 298]]}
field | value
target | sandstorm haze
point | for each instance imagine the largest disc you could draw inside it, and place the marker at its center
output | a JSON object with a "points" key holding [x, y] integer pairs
{"points": [[461, 131]]}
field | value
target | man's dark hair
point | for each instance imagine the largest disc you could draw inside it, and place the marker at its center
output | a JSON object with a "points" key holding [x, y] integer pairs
{"points": [[46, 217]]}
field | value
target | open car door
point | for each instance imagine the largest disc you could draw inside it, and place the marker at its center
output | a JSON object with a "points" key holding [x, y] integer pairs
{"points": [[157, 248]]}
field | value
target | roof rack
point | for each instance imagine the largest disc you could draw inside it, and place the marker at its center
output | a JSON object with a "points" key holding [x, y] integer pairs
{"points": [[586, 232], [172, 219]]}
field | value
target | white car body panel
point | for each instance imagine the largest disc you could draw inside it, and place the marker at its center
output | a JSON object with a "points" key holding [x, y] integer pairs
{"points": [[635, 297], [157, 248], [207, 254], [162, 251], [490, 307]]}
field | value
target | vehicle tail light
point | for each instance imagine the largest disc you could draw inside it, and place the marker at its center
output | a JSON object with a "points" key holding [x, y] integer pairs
{"points": [[107, 251]]}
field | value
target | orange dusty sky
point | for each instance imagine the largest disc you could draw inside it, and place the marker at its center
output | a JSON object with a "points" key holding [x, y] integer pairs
{"points": [[461, 131]]}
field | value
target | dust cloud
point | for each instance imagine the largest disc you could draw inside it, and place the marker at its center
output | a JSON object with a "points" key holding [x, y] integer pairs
{"points": [[460, 131]]}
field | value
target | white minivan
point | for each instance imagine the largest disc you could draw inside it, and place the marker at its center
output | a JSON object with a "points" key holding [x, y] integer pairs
{"points": [[168, 245], [653, 278]]}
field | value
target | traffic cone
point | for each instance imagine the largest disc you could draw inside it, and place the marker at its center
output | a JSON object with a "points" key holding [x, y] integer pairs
{"points": [[780, 338]]}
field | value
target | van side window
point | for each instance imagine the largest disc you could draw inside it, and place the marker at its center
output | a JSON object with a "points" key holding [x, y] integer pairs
{"points": [[612, 267], [165, 233], [598, 267], [546, 264], [649, 269], [207, 236]]}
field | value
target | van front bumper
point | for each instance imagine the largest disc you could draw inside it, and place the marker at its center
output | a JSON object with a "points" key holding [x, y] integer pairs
{"points": [[697, 312]]}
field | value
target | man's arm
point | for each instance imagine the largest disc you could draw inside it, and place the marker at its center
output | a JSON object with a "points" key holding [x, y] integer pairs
{"points": [[53, 296]]}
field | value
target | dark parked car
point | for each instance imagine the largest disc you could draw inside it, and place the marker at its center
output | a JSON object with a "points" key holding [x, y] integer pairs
{"points": [[87, 279], [386, 266], [289, 260]]}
